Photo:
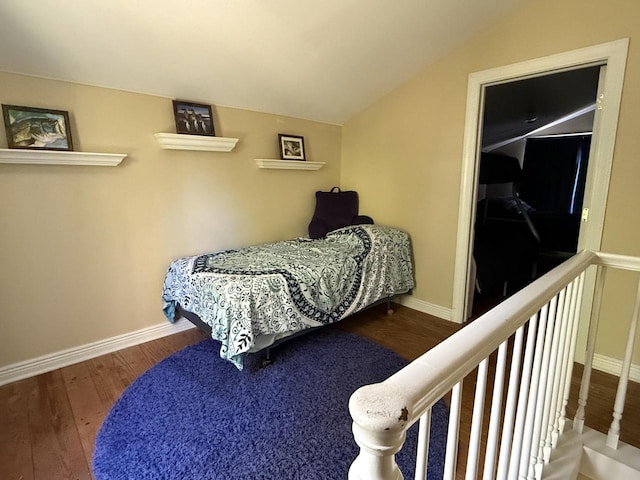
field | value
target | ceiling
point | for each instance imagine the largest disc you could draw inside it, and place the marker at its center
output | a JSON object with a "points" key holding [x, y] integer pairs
{"points": [[319, 60], [518, 108]]}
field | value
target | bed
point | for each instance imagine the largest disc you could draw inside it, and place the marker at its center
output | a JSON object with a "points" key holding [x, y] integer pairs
{"points": [[255, 296]]}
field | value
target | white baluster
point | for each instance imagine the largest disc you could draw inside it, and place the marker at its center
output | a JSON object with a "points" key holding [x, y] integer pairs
{"points": [[550, 420], [422, 457], [614, 431], [473, 454], [510, 406], [528, 446], [574, 315], [578, 421], [518, 433], [564, 359], [451, 455], [544, 394], [491, 451]]}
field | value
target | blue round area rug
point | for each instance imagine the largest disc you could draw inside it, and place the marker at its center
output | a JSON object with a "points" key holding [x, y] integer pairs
{"points": [[196, 416]]}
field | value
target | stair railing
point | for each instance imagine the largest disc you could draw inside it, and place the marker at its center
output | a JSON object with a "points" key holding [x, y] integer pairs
{"points": [[536, 329]]}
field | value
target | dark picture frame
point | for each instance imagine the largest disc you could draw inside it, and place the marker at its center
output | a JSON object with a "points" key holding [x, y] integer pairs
{"points": [[37, 128], [193, 118], [291, 147]]}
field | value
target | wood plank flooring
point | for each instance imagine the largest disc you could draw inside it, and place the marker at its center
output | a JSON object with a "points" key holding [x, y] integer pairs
{"points": [[48, 423]]}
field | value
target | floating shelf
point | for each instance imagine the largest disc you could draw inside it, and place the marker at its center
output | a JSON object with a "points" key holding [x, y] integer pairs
{"points": [[55, 157], [288, 164], [178, 141]]}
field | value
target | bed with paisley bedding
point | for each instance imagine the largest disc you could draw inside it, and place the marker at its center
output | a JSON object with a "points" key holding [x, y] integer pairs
{"points": [[254, 296]]}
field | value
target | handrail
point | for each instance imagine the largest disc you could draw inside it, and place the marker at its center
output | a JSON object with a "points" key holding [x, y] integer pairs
{"points": [[622, 262], [383, 412], [442, 365]]}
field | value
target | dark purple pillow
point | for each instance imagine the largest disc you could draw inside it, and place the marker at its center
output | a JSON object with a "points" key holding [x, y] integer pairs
{"points": [[335, 209]]}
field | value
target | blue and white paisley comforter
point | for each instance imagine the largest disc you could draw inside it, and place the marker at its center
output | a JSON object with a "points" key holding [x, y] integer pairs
{"points": [[256, 295]]}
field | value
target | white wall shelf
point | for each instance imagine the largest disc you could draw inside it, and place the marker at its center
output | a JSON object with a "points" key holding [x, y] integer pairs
{"points": [[55, 157], [178, 141], [288, 164]]}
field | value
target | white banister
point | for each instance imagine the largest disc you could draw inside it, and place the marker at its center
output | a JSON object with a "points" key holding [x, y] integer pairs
{"points": [[380, 415], [526, 420], [622, 262], [614, 431]]}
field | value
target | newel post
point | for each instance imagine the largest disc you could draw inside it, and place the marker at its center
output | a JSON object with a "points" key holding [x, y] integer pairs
{"points": [[381, 417]]}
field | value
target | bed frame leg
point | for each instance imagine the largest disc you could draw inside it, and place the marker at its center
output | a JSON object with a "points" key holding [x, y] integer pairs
{"points": [[266, 360], [390, 310]]}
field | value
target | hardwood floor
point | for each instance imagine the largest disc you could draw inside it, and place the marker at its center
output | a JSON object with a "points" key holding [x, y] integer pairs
{"points": [[48, 423]]}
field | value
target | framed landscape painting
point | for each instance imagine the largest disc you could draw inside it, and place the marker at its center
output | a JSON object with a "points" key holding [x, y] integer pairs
{"points": [[37, 128]]}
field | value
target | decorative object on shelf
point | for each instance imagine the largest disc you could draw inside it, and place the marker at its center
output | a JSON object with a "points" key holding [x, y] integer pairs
{"points": [[177, 141], [193, 118], [49, 157], [291, 147], [288, 164], [37, 128]]}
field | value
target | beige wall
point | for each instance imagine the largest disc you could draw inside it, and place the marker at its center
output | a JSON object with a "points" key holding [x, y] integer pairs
{"points": [[404, 152], [85, 249]]}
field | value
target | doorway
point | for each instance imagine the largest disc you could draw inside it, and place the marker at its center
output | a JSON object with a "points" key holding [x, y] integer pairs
{"points": [[610, 55], [535, 142]]}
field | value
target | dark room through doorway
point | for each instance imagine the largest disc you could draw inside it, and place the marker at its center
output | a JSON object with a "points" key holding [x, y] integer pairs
{"points": [[536, 136]]}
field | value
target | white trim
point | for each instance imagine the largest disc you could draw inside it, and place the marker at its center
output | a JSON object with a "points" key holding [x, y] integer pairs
{"points": [[613, 55], [288, 164], [614, 366], [54, 157], [425, 307], [588, 455], [63, 358], [179, 141]]}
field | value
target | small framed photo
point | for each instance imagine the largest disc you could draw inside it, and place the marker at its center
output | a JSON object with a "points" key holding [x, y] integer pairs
{"points": [[193, 118], [37, 128], [291, 147]]}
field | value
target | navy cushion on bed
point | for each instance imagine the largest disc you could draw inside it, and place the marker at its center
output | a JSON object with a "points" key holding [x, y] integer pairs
{"points": [[335, 209]]}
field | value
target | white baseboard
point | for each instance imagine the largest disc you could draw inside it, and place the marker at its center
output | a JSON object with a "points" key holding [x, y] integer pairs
{"points": [[425, 307], [63, 358], [600, 362], [614, 367]]}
